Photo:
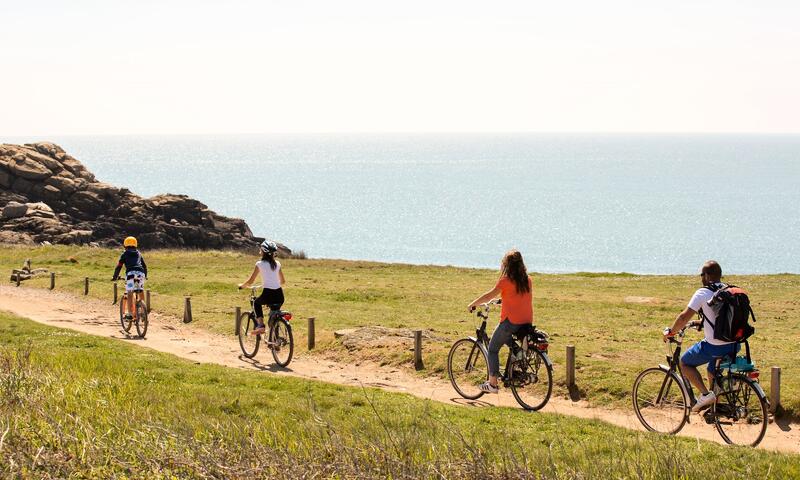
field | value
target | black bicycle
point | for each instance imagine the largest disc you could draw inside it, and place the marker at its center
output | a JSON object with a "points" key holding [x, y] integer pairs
{"points": [[279, 339], [528, 371], [662, 397]]}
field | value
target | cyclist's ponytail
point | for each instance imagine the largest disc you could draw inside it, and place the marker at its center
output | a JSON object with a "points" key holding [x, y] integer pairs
{"points": [[269, 258], [513, 267]]}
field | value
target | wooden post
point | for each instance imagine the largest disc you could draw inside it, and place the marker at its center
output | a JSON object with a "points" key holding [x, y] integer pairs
{"points": [[86, 285], [775, 390], [237, 320], [570, 366], [147, 300], [311, 335], [18, 279], [115, 294], [52, 280], [418, 350], [187, 310]]}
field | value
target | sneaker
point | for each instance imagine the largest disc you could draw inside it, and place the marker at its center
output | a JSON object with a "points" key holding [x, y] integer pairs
{"points": [[705, 400], [259, 330], [487, 387], [128, 316]]}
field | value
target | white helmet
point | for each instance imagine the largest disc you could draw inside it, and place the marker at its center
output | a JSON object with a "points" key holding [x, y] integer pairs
{"points": [[268, 247]]}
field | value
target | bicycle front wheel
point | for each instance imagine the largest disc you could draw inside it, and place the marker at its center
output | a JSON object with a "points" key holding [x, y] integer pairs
{"points": [[249, 343], [126, 323], [660, 401], [281, 342], [532, 380], [467, 368], [741, 413]]}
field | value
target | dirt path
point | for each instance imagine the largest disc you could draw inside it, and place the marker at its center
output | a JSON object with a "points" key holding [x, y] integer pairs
{"points": [[168, 334]]}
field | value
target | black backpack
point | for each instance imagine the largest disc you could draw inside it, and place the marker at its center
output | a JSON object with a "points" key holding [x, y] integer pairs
{"points": [[732, 306]]}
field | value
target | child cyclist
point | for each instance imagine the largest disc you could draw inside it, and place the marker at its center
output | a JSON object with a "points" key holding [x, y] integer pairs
{"points": [[272, 278], [135, 273], [514, 288]]}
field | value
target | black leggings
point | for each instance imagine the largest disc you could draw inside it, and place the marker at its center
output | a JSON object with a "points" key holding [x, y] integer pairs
{"points": [[271, 297]]}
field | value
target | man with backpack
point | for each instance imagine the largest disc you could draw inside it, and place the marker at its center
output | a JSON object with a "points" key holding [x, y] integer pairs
{"points": [[724, 310]]}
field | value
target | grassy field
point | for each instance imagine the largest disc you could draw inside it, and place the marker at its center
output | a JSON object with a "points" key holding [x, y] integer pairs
{"points": [[613, 319], [78, 406]]}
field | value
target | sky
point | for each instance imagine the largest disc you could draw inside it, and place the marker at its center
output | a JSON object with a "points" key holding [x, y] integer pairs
{"points": [[214, 67]]}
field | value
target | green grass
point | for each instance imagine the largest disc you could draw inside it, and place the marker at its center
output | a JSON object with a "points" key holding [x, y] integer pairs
{"points": [[614, 338], [78, 406]]}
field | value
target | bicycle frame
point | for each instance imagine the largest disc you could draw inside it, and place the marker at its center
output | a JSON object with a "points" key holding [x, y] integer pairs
{"points": [[481, 339], [718, 376]]}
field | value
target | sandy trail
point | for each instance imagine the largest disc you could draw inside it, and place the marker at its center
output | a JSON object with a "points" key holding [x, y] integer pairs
{"points": [[168, 334]]}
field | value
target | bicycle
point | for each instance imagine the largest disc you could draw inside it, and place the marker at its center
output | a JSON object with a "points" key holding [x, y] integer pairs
{"points": [[280, 340], [139, 316], [528, 369], [662, 397]]}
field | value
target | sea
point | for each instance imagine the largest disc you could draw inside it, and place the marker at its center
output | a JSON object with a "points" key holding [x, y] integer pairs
{"points": [[644, 203]]}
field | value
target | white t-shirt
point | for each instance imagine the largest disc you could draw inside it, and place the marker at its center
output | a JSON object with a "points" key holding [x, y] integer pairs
{"points": [[269, 277], [700, 301]]}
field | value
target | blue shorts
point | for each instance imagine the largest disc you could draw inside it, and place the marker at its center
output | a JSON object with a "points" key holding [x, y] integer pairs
{"points": [[704, 352]]}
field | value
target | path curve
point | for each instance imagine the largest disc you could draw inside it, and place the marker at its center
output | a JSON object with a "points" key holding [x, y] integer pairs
{"points": [[168, 334]]}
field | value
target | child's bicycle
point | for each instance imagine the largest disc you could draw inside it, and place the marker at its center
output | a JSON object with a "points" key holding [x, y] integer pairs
{"points": [[279, 339], [662, 397], [138, 316], [528, 372]]}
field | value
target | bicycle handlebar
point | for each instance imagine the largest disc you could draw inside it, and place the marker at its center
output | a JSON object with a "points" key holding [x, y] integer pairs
{"points": [[680, 334]]}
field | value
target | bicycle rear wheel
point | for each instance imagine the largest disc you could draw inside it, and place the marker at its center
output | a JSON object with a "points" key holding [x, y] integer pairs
{"points": [[126, 323], [740, 415], [660, 401], [532, 380], [141, 318], [248, 343], [281, 342], [467, 368]]}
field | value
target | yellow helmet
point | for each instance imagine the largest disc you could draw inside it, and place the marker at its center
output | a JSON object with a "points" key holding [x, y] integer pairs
{"points": [[130, 242]]}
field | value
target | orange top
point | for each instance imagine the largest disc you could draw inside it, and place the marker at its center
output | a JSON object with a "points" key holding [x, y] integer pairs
{"points": [[516, 307]]}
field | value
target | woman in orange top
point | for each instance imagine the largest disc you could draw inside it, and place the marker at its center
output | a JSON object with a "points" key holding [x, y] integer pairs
{"points": [[514, 288]]}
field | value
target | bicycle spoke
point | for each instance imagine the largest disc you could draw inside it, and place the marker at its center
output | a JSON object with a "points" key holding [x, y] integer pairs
{"points": [[531, 380], [659, 401], [740, 415], [467, 368]]}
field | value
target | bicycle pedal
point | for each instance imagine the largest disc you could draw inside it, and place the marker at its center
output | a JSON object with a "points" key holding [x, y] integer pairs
{"points": [[708, 417]]}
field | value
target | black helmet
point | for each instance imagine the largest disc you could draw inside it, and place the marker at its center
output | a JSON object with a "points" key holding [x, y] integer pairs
{"points": [[268, 247]]}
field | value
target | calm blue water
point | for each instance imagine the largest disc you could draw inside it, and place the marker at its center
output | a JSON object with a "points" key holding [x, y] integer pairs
{"points": [[641, 203]]}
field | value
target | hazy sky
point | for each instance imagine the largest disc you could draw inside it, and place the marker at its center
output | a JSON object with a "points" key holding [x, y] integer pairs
{"points": [[173, 66]]}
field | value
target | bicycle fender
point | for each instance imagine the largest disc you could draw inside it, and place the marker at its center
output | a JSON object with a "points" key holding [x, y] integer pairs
{"points": [[480, 345], [759, 390], [547, 360], [663, 367]]}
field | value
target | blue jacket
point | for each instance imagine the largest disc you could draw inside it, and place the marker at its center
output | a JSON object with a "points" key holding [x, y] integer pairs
{"points": [[133, 262]]}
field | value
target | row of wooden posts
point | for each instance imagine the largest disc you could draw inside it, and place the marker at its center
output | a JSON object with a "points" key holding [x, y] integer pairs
{"points": [[775, 380]]}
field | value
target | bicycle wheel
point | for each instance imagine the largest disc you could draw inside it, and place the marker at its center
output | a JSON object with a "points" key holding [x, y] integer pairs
{"points": [[532, 380], [281, 342], [249, 343], [660, 401], [141, 319], [741, 414], [467, 368], [126, 324]]}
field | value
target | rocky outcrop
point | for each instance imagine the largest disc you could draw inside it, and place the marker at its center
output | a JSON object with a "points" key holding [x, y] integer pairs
{"points": [[48, 196]]}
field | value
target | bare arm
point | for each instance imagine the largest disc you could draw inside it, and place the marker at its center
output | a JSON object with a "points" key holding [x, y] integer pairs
{"points": [[493, 293], [251, 279], [280, 274], [680, 321]]}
